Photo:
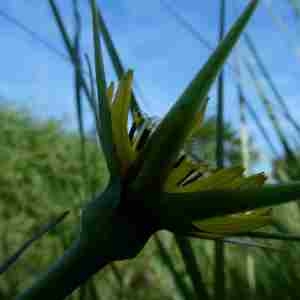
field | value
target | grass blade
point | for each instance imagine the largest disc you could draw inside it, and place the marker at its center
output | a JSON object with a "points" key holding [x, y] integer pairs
{"points": [[93, 92], [269, 109], [219, 250], [46, 228], [72, 53], [259, 124], [166, 259], [116, 60], [67, 40], [192, 267], [270, 82], [220, 104], [78, 87], [184, 23], [104, 107]]}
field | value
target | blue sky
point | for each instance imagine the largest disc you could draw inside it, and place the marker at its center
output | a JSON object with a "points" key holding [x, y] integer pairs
{"points": [[163, 55]]}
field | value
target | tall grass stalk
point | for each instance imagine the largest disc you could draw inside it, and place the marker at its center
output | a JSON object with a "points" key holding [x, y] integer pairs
{"points": [[269, 109], [245, 155], [165, 258], [267, 76], [219, 288], [192, 267], [259, 124], [116, 61], [284, 29], [71, 50], [244, 139]]}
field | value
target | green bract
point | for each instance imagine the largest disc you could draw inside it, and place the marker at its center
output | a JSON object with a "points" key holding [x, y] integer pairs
{"points": [[185, 176]]}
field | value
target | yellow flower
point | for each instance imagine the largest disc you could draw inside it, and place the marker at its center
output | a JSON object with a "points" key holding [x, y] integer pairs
{"points": [[186, 175]]}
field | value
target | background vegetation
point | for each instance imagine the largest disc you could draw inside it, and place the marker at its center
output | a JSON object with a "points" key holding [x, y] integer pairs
{"points": [[44, 172], [46, 168]]}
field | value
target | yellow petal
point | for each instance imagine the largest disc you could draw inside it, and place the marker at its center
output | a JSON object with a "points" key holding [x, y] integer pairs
{"points": [[217, 180], [243, 222], [247, 182], [110, 93], [233, 224], [185, 168], [120, 110]]}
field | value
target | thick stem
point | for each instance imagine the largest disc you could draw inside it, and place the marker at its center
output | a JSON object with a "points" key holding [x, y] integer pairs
{"points": [[74, 268]]}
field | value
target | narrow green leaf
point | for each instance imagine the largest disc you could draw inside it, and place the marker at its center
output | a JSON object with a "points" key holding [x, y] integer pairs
{"points": [[259, 124], [192, 267], [93, 97], [116, 60], [220, 102], [72, 53], [46, 228], [182, 287], [104, 107], [163, 148], [269, 109], [269, 80], [59, 21], [78, 88], [190, 207]]}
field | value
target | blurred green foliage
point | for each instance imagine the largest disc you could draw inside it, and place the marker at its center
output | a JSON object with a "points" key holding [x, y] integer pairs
{"points": [[202, 144], [42, 175]]}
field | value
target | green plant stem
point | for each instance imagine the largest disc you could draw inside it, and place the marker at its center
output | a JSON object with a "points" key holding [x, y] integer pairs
{"points": [[219, 288], [269, 109], [182, 288], [46, 228], [72, 56], [220, 104], [260, 126], [74, 268], [192, 267], [116, 60], [279, 98]]}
